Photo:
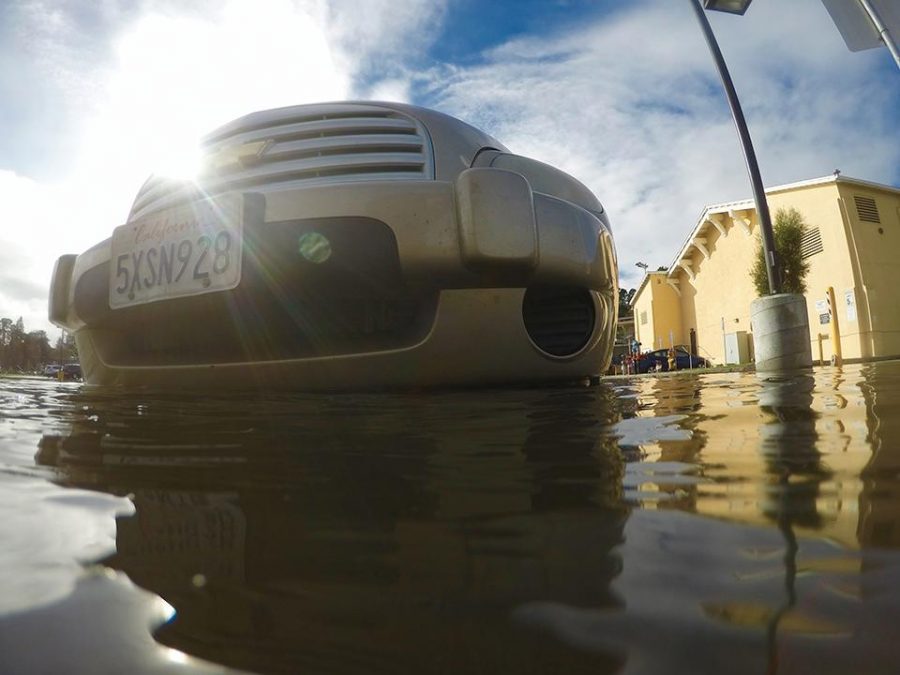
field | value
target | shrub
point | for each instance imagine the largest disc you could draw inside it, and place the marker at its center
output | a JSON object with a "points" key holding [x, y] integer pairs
{"points": [[789, 229]]}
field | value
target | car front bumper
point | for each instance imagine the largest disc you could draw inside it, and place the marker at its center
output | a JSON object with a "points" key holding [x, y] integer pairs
{"points": [[460, 258]]}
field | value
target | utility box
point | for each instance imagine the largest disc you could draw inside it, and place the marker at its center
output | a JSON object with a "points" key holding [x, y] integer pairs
{"points": [[737, 347]]}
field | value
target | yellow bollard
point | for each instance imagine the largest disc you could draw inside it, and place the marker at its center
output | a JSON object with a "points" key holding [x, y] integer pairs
{"points": [[835, 328]]}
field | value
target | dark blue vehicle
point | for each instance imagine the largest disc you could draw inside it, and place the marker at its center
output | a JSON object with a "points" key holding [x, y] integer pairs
{"points": [[72, 371], [683, 360]]}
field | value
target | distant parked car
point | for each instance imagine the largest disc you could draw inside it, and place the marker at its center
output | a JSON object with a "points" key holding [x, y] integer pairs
{"points": [[71, 371], [683, 360]]}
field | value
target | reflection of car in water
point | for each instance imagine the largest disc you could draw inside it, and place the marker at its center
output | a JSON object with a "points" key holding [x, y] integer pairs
{"points": [[363, 534], [348, 245], [683, 360]]}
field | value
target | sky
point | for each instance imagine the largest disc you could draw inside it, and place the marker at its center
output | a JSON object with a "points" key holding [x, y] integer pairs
{"points": [[97, 95]]}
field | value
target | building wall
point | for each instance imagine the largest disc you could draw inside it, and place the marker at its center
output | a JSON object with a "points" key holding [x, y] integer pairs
{"points": [[687, 308], [821, 209], [643, 313], [876, 248], [859, 259], [718, 300], [666, 315], [658, 302]]}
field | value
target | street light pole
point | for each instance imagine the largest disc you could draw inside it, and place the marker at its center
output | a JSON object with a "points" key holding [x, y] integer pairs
{"points": [[773, 264]]}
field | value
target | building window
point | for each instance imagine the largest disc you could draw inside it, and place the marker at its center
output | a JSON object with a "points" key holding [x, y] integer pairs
{"points": [[811, 243], [643, 318], [866, 209]]}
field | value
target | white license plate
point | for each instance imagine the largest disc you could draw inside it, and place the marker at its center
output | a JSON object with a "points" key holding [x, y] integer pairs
{"points": [[188, 250]]}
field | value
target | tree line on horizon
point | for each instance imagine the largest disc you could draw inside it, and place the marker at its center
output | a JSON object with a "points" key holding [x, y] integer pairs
{"points": [[24, 351]]}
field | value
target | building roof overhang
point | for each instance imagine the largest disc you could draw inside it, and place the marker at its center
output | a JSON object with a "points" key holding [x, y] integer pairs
{"points": [[711, 217], [644, 282]]}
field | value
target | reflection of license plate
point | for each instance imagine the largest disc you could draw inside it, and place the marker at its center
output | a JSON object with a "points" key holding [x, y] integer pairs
{"points": [[179, 252]]}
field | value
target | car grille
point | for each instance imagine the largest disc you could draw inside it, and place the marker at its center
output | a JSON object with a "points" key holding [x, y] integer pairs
{"points": [[301, 145], [560, 321]]}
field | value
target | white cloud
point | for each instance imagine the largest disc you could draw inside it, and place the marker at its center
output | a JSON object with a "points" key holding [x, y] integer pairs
{"points": [[28, 213], [177, 77], [381, 36], [394, 89]]}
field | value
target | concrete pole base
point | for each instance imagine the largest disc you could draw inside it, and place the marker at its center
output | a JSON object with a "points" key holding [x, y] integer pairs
{"points": [[780, 327]]}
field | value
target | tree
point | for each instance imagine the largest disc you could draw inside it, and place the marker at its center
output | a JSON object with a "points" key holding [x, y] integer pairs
{"points": [[37, 349], [6, 326], [625, 302], [15, 352], [789, 230], [66, 352]]}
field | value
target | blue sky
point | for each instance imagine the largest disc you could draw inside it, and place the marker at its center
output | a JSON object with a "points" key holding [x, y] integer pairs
{"points": [[94, 96]]}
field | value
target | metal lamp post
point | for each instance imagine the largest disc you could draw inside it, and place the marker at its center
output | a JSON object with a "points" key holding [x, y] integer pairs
{"points": [[773, 264], [779, 320]]}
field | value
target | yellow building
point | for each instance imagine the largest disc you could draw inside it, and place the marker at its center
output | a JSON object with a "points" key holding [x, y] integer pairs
{"points": [[852, 244]]}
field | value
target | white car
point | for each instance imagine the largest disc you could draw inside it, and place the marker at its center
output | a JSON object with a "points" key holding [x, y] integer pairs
{"points": [[348, 246]]}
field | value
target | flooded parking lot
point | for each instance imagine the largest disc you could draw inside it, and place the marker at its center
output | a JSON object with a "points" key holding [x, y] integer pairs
{"points": [[689, 523]]}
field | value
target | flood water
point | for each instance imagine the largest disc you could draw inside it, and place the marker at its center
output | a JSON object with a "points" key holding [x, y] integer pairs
{"points": [[718, 523]]}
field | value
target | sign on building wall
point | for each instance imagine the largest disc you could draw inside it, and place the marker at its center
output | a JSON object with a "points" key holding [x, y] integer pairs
{"points": [[850, 304], [822, 311]]}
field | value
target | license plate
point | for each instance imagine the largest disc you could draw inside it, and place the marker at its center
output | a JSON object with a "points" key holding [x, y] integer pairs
{"points": [[188, 250]]}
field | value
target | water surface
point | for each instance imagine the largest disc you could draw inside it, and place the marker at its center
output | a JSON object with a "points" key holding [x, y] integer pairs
{"points": [[691, 523]]}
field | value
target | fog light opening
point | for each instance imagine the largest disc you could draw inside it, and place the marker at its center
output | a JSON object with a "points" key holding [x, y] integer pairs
{"points": [[559, 320]]}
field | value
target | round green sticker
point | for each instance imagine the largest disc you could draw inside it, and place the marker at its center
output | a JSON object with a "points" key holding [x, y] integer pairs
{"points": [[315, 247]]}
